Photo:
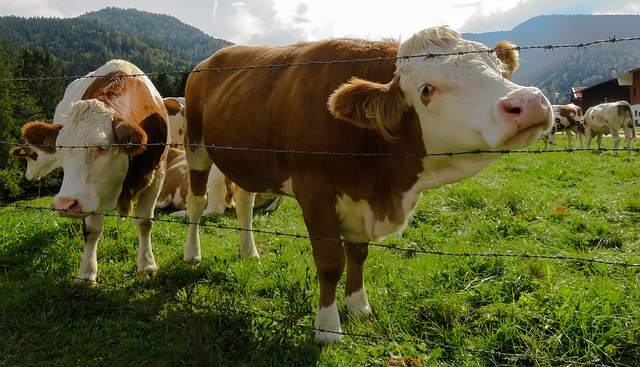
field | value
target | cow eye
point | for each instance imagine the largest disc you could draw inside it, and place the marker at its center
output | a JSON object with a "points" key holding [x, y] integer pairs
{"points": [[101, 149], [426, 90]]}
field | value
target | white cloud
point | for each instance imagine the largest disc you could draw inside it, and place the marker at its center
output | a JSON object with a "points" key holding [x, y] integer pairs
{"points": [[289, 21]]}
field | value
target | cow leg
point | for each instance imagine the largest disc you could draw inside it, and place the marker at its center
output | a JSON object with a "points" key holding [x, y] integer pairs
{"points": [[616, 140], [144, 222], [92, 227], [217, 193], [356, 295], [199, 165], [244, 212], [628, 136], [323, 225], [569, 138]]}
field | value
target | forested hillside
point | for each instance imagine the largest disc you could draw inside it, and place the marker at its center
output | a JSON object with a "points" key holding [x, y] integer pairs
{"points": [[155, 43]]}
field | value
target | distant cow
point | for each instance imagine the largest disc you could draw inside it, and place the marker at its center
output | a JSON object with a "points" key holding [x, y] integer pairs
{"points": [[354, 142], [567, 118], [39, 162], [175, 109], [105, 121], [609, 118]]}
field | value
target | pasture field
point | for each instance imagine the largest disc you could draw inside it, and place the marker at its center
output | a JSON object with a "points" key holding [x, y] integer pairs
{"points": [[497, 270]]}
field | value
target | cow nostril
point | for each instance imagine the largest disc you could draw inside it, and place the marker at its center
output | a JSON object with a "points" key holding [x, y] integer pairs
{"points": [[515, 110]]}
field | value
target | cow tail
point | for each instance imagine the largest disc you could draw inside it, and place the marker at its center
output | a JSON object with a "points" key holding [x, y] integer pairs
{"points": [[633, 123]]}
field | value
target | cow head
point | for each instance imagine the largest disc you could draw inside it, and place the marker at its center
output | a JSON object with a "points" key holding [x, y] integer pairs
{"points": [[175, 109], [462, 98], [89, 150], [39, 162]]}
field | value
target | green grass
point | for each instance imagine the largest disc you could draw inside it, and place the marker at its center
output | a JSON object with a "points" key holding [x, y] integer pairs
{"points": [[435, 302]]}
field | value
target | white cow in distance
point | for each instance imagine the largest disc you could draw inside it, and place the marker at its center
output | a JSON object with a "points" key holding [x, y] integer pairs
{"points": [[609, 118]]}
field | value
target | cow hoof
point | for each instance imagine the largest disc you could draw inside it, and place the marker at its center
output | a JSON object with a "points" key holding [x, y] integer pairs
{"points": [[148, 272], [327, 337], [84, 281], [179, 214], [193, 262]]}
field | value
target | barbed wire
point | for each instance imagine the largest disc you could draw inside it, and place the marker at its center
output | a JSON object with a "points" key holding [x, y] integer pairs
{"points": [[428, 55], [332, 153], [414, 250]]}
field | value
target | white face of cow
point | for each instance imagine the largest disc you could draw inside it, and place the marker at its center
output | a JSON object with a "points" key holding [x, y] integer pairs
{"points": [[463, 101], [93, 169]]}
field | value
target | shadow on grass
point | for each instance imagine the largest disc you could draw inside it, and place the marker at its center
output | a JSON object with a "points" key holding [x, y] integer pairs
{"points": [[186, 316]]}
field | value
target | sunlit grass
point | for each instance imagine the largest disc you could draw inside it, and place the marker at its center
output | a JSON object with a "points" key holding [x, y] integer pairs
{"points": [[438, 304]]}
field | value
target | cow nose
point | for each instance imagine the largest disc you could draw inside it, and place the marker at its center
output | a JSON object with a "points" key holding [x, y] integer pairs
{"points": [[526, 108], [68, 207]]}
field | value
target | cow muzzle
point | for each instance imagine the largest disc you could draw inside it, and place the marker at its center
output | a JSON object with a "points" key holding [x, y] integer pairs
{"points": [[69, 207], [526, 114]]}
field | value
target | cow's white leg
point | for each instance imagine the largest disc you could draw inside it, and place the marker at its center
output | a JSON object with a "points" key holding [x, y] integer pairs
{"points": [[199, 165], [628, 136], [569, 138], [144, 223], [244, 212], [599, 142], [327, 325], [616, 140], [217, 192], [92, 227], [552, 140], [195, 208], [356, 300], [588, 136]]}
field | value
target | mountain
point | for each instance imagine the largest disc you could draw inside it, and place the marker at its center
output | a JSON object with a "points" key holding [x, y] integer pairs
{"points": [[559, 69], [153, 42]]}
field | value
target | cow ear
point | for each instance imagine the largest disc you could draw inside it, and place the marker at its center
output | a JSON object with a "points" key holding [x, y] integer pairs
{"points": [[42, 135], [132, 135], [172, 106], [370, 105], [507, 53], [22, 151]]}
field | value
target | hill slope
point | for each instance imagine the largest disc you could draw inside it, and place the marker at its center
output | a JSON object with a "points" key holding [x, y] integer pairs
{"points": [[560, 69], [153, 42]]}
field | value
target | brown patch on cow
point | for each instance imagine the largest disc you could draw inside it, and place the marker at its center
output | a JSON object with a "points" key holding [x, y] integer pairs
{"points": [[141, 166], [24, 152], [198, 182], [173, 106], [41, 134]]}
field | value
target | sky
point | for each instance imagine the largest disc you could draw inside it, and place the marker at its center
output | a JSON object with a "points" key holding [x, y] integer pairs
{"points": [[281, 22]]}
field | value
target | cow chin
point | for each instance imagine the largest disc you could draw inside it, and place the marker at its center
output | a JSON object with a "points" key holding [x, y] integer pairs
{"points": [[522, 138]]}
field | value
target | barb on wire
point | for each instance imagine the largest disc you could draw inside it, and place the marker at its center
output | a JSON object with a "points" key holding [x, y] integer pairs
{"points": [[428, 55], [276, 233]]}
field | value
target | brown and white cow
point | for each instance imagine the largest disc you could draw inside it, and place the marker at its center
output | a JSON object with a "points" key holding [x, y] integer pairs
{"points": [[567, 118], [220, 197], [609, 118], [103, 125], [377, 127], [39, 162]]}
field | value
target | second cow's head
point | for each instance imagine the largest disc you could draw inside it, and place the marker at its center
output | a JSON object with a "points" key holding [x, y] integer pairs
{"points": [[93, 146]]}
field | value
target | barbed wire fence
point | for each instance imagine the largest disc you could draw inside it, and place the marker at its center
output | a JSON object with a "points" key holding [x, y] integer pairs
{"points": [[514, 357]]}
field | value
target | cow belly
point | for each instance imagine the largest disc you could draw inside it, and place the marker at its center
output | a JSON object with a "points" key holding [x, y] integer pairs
{"points": [[358, 221]]}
